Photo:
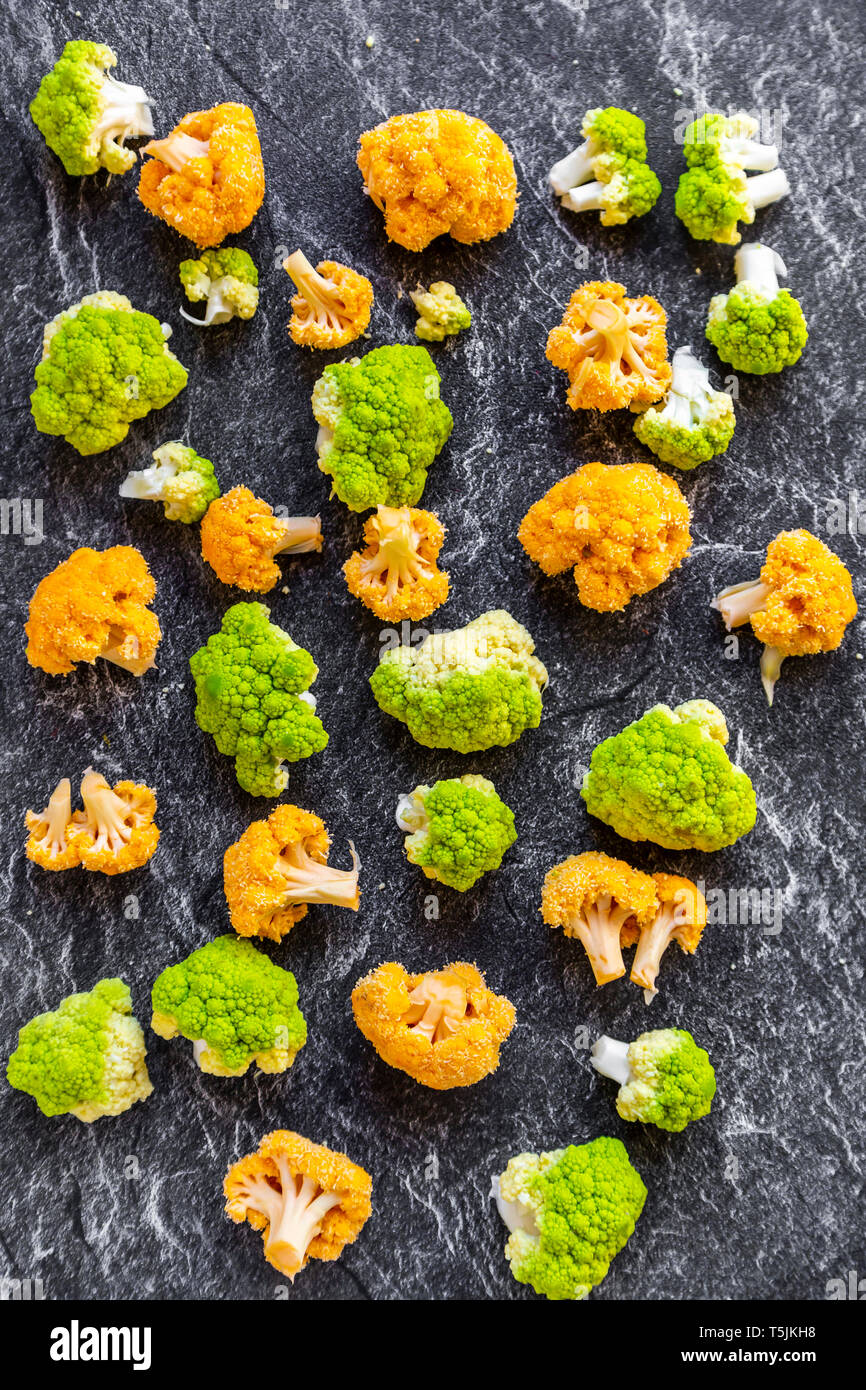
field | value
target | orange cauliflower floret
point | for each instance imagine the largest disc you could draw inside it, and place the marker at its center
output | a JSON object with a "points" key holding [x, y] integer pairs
{"points": [[308, 1201], [433, 172], [613, 348], [94, 605], [113, 834], [801, 605], [277, 867], [240, 537], [333, 303], [444, 1028], [680, 915], [396, 576], [623, 527], [594, 897], [206, 179]]}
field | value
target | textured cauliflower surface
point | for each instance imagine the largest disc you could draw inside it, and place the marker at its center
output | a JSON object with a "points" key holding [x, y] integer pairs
{"points": [[240, 535], [396, 575], [673, 1080], [811, 598], [459, 829], [597, 898]]}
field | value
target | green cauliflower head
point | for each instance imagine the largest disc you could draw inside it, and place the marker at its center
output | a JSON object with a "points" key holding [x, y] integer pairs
{"points": [[85, 115], [694, 422], [441, 312], [104, 364], [569, 1212], [251, 681], [758, 327], [234, 1004], [227, 279], [710, 200], [665, 1078], [179, 478], [381, 425], [667, 778], [474, 688], [612, 130], [84, 1058], [459, 829]]}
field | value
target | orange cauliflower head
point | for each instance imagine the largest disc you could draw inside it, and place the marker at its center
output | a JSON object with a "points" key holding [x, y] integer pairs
{"points": [[94, 605], [444, 1028], [433, 172], [624, 528], [206, 179], [598, 899], [308, 1201], [113, 834], [240, 535], [613, 348], [333, 303], [396, 575], [277, 867], [681, 915]]}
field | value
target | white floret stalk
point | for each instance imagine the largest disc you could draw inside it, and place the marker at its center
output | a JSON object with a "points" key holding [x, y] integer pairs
{"points": [[56, 817], [751, 154], [411, 813], [652, 943], [177, 150], [516, 1216], [125, 113], [308, 881], [771, 669], [297, 1218], [107, 817], [320, 295], [149, 484], [598, 927], [764, 189], [689, 388], [611, 1059], [737, 603], [587, 197], [219, 308], [576, 168], [760, 266], [301, 535]]}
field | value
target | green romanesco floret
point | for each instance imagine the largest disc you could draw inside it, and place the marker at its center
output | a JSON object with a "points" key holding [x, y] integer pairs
{"points": [[441, 312], [104, 364], [474, 688], [608, 172], [665, 1079], [459, 829], [381, 425], [180, 478], [227, 279], [758, 327], [714, 193], [85, 115], [570, 1212], [84, 1058], [667, 778], [694, 422], [234, 1005], [251, 683]]}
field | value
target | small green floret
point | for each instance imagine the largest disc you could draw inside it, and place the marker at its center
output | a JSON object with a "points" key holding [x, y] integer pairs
{"points": [[251, 681], [758, 327], [85, 115], [441, 312], [608, 172], [694, 422], [459, 829], [234, 1004], [474, 688], [227, 279], [714, 193], [104, 364], [381, 425], [665, 1078], [667, 778], [84, 1058], [180, 478], [570, 1212]]}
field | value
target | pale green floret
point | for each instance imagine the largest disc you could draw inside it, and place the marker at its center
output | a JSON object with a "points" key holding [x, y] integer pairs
{"points": [[251, 685], [570, 1212], [234, 1004], [665, 1078], [608, 173], [381, 425], [103, 365], [714, 193], [85, 115], [227, 279], [459, 829], [717, 139], [84, 1058], [477, 687], [441, 312], [667, 778], [694, 423], [179, 478], [758, 327]]}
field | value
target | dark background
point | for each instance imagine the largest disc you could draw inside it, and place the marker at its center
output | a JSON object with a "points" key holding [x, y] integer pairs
{"points": [[763, 1199]]}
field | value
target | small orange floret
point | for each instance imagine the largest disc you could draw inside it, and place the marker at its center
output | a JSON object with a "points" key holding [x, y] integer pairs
{"points": [[613, 348], [277, 867], [433, 172], [53, 839], [596, 898], [680, 915], [113, 834], [240, 535], [396, 575], [308, 1201], [206, 178], [94, 605], [623, 527], [444, 1028], [333, 303]]}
